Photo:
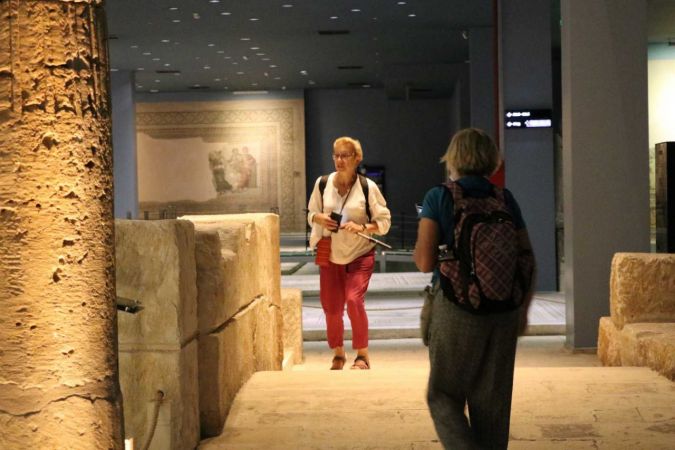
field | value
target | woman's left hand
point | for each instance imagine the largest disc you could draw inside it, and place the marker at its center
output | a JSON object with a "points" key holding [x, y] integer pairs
{"points": [[352, 227]]}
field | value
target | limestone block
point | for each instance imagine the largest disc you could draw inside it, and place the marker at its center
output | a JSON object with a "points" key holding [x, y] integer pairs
{"points": [[642, 288], [649, 345], [228, 357], [225, 254], [155, 264], [225, 363], [291, 307], [609, 348], [142, 373], [264, 232], [268, 338]]}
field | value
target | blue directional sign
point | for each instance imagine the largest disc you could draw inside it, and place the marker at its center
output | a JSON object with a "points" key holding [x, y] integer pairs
{"points": [[528, 118]]}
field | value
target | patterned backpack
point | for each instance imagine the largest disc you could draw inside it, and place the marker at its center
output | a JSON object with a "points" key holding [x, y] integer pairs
{"points": [[483, 270]]}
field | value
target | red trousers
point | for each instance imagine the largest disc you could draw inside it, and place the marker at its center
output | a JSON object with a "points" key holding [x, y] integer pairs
{"points": [[342, 284]]}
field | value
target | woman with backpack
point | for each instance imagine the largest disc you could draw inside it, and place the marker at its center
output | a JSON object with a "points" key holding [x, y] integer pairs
{"points": [[342, 206], [486, 279]]}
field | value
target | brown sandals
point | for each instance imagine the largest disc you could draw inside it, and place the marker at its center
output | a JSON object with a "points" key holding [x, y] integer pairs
{"points": [[361, 363], [338, 362]]}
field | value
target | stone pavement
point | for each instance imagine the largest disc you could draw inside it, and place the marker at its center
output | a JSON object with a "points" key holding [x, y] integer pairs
{"points": [[561, 401]]}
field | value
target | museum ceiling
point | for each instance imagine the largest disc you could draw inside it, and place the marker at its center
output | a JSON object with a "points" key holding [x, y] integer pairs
{"points": [[406, 47]]}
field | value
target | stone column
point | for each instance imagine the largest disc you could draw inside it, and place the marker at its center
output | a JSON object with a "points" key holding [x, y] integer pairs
{"points": [[58, 361], [605, 151]]}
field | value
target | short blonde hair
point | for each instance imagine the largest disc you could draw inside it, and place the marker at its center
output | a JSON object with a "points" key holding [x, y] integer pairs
{"points": [[346, 141], [472, 152]]}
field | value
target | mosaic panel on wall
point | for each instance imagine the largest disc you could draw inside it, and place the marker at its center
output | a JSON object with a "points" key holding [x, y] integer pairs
{"points": [[222, 157]]}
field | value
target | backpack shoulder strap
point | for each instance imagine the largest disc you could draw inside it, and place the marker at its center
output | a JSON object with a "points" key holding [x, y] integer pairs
{"points": [[499, 194], [364, 187], [456, 191], [322, 187]]}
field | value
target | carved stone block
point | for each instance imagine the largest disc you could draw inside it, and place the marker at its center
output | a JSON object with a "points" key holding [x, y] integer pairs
{"points": [[609, 345], [291, 307], [642, 288], [155, 264], [145, 371]]}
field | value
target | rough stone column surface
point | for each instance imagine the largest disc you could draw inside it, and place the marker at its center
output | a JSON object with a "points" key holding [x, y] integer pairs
{"points": [[642, 288], [155, 264], [58, 362]]}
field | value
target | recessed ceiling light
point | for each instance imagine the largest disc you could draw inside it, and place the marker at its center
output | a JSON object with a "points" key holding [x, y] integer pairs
{"points": [[225, 13], [254, 19], [196, 85], [235, 63], [287, 5], [334, 17], [227, 57], [112, 69], [277, 78], [412, 15], [400, 3], [255, 48], [311, 82], [154, 91], [166, 64], [211, 45], [139, 86], [134, 46], [166, 41], [366, 86], [176, 20], [260, 54], [303, 72], [355, 10], [283, 88], [140, 69], [264, 59], [173, 8], [214, 1], [147, 53], [176, 74], [216, 79], [221, 52], [273, 66], [245, 39], [156, 59], [245, 58], [266, 74], [240, 73], [158, 81], [207, 67], [254, 84]]}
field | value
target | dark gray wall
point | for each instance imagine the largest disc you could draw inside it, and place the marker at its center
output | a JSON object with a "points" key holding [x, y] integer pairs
{"points": [[528, 153], [124, 144], [407, 137]]}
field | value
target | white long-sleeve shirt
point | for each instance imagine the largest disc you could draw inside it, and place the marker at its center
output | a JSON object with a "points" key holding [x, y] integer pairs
{"points": [[347, 246]]}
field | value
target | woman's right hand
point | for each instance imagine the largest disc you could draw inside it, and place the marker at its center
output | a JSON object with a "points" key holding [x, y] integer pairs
{"points": [[325, 221]]}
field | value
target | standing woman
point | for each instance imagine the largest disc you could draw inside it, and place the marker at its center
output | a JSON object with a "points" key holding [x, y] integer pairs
{"points": [[471, 355], [352, 258]]}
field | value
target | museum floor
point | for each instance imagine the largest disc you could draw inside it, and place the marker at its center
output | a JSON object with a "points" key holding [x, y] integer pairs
{"points": [[562, 400]]}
